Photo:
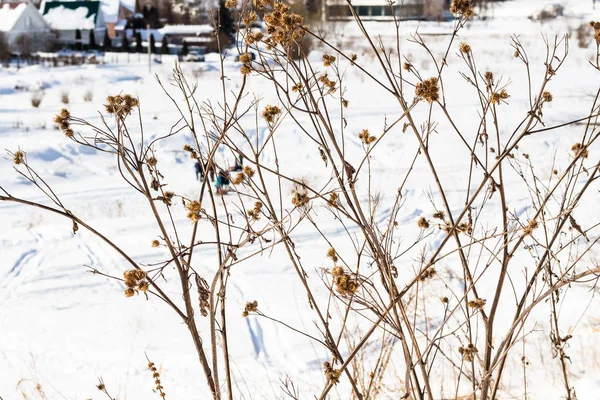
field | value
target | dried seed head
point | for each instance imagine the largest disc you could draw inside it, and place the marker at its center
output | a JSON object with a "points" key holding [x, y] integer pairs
{"points": [[245, 70], [476, 304], [423, 223], [155, 243], [151, 161], [464, 8], [239, 178], [328, 60], [129, 292], [579, 150], [465, 48], [333, 199], [439, 215], [428, 90], [248, 171], [337, 271], [332, 375], [547, 96], [270, 112], [19, 157], [497, 97], [427, 274], [331, 254], [297, 87], [231, 4], [250, 307]]}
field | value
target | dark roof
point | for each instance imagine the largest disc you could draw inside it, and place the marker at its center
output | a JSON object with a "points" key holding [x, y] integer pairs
{"points": [[93, 7]]}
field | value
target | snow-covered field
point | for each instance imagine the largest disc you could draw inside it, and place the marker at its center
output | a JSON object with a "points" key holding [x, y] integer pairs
{"points": [[62, 327]]}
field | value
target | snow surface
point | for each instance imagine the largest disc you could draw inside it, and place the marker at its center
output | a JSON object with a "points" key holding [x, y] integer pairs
{"points": [[62, 327], [66, 19]]}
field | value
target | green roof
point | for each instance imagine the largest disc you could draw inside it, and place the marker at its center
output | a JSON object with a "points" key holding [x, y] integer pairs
{"points": [[92, 6]]}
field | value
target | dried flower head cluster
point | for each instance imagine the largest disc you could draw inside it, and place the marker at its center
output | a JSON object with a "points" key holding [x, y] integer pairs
{"points": [[333, 199], [468, 353], [270, 113], [297, 87], [345, 284], [476, 304], [166, 198], [191, 150], [246, 60], [423, 223], [231, 4], [151, 161], [528, 229], [254, 213], [250, 307], [332, 254], [327, 83], [547, 97], [439, 215], [328, 59], [580, 151], [463, 8], [428, 90], [283, 26], [121, 105], [596, 27], [19, 157], [497, 97], [246, 174], [63, 121], [156, 377], [427, 274], [135, 280], [332, 375], [194, 207], [465, 48], [489, 79], [300, 198], [366, 137]]}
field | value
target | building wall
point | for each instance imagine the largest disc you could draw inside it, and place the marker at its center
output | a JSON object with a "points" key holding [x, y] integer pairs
{"points": [[67, 37], [30, 32]]}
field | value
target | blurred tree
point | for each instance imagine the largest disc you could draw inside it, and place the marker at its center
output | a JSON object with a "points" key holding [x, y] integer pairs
{"points": [[78, 43], [164, 46], [138, 43], [152, 44], [92, 40], [106, 43]]}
